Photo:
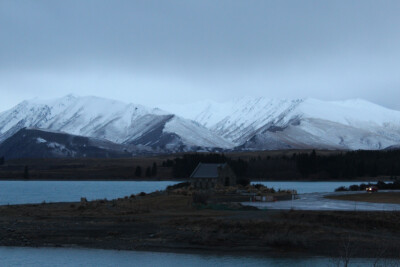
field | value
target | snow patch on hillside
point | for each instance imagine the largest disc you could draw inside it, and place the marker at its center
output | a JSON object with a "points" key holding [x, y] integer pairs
{"points": [[40, 140]]}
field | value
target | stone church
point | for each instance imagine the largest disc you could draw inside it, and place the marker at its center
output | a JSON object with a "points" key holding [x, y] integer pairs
{"points": [[208, 175]]}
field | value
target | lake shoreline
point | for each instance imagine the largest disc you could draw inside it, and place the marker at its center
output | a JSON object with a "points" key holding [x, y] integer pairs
{"points": [[70, 256], [206, 250], [186, 179], [94, 180], [162, 222]]}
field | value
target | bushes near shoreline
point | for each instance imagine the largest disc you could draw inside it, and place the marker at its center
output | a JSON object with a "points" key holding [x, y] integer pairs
{"points": [[380, 185]]}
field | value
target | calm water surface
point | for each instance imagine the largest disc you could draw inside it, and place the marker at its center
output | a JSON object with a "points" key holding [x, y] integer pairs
{"points": [[44, 257], [22, 192]]}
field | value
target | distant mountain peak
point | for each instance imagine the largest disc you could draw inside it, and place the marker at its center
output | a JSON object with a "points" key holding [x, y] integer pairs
{"points": [[295, 123], [107, 119], [249, 123]]}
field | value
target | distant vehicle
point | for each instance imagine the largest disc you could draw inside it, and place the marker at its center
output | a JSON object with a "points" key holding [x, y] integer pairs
{"points": [[371, 189]]}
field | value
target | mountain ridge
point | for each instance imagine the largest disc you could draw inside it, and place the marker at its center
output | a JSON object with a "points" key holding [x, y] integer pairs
{"points": [[241, 124], [349, 124], [106, 119]]}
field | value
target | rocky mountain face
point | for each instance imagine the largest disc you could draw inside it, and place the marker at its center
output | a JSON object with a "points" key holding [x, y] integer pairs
{"points": [[242, 124], [33, 143], [261, 123]]}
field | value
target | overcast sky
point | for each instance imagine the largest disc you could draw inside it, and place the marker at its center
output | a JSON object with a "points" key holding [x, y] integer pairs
{"points": [[156, 52]]}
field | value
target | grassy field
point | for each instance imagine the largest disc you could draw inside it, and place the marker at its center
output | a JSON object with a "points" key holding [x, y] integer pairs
{"points": [[377, 197]]}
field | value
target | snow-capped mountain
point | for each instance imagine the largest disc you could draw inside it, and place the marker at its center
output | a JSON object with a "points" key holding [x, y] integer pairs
{"points": [[246, 123], [110, 120], [262, 123]]}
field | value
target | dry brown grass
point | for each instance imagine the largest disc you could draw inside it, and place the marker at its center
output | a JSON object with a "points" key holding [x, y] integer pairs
{"points": [[165, 202], [378, 197], [159, 220]]}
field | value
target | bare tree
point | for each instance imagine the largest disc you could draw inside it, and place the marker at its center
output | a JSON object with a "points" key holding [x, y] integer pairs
{"points": [[345, 251]]}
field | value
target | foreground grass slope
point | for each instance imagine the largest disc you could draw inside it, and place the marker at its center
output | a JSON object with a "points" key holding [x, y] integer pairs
{"points": [[170, 222]]}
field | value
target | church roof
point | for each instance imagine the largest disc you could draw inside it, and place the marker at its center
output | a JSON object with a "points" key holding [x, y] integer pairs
{"points": [[207, 170]]}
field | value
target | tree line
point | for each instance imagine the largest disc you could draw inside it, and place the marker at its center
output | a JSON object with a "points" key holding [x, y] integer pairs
{"points": [[183, 167], [310, 165], [361, 163], [148, 172], [345, 165]]}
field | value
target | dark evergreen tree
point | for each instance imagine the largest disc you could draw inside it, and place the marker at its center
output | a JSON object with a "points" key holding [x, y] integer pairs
{"points": [[360, 169], [374, 171], [303, 164], [1, 160], [26, 173], [138, 171], [154, 169], [168, 163], [148, 172]]}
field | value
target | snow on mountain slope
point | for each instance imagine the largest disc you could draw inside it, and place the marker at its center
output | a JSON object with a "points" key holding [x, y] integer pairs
{"points": [[246, 123], [170, 131], [85, 116], [261, 123], [99, 118], [353, 112], [239, 119], [195, 134]]}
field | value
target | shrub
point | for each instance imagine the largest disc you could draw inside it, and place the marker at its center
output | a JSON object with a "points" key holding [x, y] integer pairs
{"points": [[363, 186], [341, 188], [258, 186], [381, 185], [177, 186], [272, 190], [354, 187]]}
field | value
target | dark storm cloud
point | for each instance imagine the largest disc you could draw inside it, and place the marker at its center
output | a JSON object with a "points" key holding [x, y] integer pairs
{"points": [[198, 49]]}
